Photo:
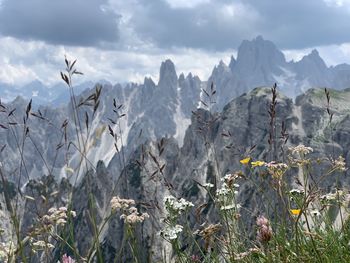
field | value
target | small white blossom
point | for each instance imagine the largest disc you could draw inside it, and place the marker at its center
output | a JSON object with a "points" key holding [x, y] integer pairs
{"points": [[296, 191], [315, 212], [224, 190], [173, 204], [230, 207], [171, 232], [339, 164], [301, 149], [41, 245], [208, 185]]}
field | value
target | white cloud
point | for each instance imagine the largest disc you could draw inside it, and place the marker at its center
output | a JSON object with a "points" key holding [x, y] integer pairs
{"points": [[24, 61], [186, 3], [338, 3]]}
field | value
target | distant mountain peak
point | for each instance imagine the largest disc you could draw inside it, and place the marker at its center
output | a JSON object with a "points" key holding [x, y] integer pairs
{"points": [[314, 58], [314, 52], [167, 72], [259, 38], [232, 62], [148, 81], [259, 48]]}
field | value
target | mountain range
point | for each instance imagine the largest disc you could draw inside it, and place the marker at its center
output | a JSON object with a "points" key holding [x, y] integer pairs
{"points": [[180, 120]]}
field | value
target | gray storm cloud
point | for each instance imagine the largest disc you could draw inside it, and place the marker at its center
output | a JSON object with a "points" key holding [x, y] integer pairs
{"points": [[222, 24], [67, 22], [209, 25]]}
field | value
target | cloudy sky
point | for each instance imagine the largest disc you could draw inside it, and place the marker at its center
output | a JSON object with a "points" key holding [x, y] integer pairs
{"points": [[125, 40]]}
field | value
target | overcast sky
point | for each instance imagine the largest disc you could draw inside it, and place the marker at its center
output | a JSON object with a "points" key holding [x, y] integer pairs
{"points": [[125, 40]]}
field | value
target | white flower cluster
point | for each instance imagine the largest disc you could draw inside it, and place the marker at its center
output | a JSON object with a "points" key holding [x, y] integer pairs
{"points": [[57, 216], [130, 214], [227, 186], [133, 216], [208, 185], [338, 194], [41, 245], [171, 232], [273, 165], [296, 191], [339, 164], [174, 208], [230, 207], [173, 204], [227, 193], [301, 150], [229, 177], [276, 169], [119, 203]]}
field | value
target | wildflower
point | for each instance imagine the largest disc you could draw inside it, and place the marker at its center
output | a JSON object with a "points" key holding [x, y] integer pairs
{"points": [[224, 190], [175, 205], [337, 196], [276, 169], [261, 220], [61, 222], [301, 150], [208, 185], [328, 197], [171, 232], [73, 213], [257, 163], [295, 212], [57, 216], [230, 207], [245, 161], [67, 259], [315, 213], [264, 233], [134, 217], [119, 203], [41, 245], [229, 179], [296, 191], [231, 176], [339, 164]]}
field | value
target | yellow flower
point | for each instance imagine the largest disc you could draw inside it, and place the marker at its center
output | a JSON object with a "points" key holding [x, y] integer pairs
{"points": [[295, 212], [257, 163], [245, 161]]}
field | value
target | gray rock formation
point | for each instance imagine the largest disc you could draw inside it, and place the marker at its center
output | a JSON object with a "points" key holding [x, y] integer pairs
{"points": [[205, 155]]}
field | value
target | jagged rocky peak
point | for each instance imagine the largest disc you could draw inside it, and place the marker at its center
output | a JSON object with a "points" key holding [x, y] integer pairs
{"points": [[313, 68], [181, 77], [221, 68], [314, 58], [259, 53], [232, 62], [148, 81], [167, 72]]}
